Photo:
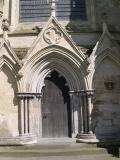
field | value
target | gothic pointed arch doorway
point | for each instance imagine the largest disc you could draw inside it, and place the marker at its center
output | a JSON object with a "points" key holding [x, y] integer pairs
{"points": [[56, 114]]}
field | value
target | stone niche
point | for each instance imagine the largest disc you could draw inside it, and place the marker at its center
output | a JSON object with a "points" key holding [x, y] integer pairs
{"points": [[8, 104], [106, 111]]}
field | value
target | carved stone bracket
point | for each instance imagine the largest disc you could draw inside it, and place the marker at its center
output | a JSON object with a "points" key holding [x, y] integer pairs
{"points": [[5, 25], [5, 28]]}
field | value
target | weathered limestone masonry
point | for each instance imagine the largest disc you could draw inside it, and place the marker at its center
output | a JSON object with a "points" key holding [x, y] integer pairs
{"points": [[60, 77]]}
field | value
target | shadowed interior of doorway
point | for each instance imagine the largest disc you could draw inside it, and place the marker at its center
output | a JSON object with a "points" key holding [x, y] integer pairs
{"points": [[61, 88]]}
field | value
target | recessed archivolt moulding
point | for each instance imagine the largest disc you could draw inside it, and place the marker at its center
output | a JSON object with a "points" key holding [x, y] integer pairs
{"points": [[47, 60], [54, 50], [9, 58]]}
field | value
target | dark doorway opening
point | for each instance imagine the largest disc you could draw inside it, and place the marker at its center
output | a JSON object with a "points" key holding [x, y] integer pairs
{"points": [[56, 114]]}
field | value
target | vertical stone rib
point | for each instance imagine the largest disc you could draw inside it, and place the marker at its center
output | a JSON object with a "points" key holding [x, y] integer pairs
{"points": [[72, 113], [81, 114], [21, 112], [26, 116], [40, 114], [85, 113], [90, 107]]}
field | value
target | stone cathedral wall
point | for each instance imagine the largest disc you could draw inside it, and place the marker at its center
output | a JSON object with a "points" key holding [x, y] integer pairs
{"points": [[106, 111], [8, 104], [75, 46]]}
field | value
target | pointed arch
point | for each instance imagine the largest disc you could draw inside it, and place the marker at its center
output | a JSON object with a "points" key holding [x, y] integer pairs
{"points": [[9, 58], [49, 59], [110, 61], [14, 68], [108, 52], [105, 82]]}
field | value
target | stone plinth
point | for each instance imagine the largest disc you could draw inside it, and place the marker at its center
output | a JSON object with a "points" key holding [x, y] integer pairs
{"points": [[87, 138]]}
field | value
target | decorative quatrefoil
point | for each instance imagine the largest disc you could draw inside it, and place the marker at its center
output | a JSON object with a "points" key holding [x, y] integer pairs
{"points": [[52, 35]]}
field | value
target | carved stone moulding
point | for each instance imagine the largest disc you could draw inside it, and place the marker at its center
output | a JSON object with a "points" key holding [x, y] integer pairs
{"points": [[52, 35], [28, 95]]}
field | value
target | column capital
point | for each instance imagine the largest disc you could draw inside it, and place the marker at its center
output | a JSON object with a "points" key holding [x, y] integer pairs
{"points": [[90, 92], [87, 92], [28, 95], [71, 93]]}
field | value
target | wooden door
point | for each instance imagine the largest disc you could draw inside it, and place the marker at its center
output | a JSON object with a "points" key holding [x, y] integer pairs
{"points": [[54, 111]]}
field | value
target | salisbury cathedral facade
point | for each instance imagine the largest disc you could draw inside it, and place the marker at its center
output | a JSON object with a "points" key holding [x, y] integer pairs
{"points": [[59, 70]]}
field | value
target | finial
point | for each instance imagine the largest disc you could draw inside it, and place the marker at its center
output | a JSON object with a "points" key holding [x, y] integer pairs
{"points": [[53, 6], [5, 28], [104, 21]]}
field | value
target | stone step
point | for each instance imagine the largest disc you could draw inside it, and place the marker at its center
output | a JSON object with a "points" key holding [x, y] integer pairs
{"points": [[51, 150], [52, 147], [42, 154]]}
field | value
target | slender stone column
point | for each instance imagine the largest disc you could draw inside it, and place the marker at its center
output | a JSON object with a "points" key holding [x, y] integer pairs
{"points": [[24, 112], [81, 114], [85, 112], [30, 115], [72, 114], [75, 112], [21, 116], [87, 134], [26, 115], [90, 107], [40, 114]]}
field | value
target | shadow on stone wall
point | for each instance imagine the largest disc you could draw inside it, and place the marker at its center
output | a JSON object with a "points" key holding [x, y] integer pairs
{"points": [[106, 111], [77, 14], [112, 148]]}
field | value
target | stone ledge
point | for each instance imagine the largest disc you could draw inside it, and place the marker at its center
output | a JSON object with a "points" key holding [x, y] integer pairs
{"points": [[20, 140]]}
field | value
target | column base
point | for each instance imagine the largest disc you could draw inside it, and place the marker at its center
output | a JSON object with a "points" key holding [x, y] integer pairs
{"points": [[28, 139], [86, 138]]}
